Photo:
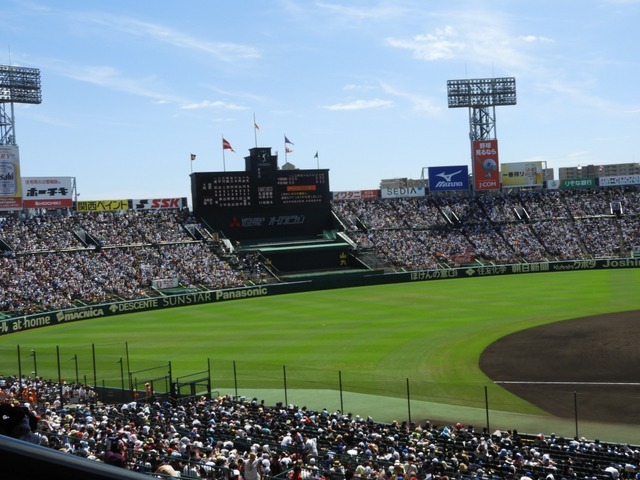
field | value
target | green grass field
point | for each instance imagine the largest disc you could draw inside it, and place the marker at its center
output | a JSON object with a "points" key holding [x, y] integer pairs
{"points": [[380, 342]]}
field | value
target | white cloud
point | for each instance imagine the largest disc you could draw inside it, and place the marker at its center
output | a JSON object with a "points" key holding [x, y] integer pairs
{"points": [[440, 45], [534, 39], [360, 88], [379, 12], [111, 78], [222, 50], [213, 104], [419, 102], [471, 36], [360, 105]]}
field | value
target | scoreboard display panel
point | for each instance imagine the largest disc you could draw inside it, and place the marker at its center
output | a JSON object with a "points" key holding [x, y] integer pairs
{"points": [[225, 190], [306, 187], [237, 189], [263, 201]]}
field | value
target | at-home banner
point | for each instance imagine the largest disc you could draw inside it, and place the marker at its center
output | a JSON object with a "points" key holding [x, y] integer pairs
{"points": [[448, 178], [521, 174], [10, 184], [486, 167], [47, 192]]}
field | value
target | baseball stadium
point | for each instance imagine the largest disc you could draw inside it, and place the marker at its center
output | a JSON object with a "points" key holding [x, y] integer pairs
{"points": [[474, 324]]}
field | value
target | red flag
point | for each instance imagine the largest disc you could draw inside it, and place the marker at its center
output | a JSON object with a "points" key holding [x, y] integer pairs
{"points": [[287, 150], [227, 146]]}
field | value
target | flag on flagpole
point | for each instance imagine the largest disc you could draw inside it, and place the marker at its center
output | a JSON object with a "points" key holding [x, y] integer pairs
{"points": [[286, 140], [257, 127], [226, 145], [316, 155], [287, 150], [193, 157]]}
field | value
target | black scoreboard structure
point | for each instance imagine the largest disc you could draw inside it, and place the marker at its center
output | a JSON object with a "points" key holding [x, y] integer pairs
{"points": [[284, 213]]}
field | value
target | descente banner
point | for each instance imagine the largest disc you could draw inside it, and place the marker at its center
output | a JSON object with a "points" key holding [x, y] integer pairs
{"points": [[28, 322]]}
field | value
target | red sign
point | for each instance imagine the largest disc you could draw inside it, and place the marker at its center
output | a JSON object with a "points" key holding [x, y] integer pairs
{"points": [[356, 195], [486, 167]]}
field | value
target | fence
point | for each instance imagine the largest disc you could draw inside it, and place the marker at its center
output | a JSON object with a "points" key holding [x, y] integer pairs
{"points": [[385, 398]]}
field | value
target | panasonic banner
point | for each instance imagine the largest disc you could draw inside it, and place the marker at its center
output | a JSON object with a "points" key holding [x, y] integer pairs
{"points": [[448, 178]]}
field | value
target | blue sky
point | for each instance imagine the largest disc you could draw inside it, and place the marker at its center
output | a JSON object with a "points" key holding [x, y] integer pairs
{"points": [[131, 88]]}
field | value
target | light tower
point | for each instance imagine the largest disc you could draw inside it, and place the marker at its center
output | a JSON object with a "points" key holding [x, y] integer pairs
{"points": [[481, 96], [17, 85]]}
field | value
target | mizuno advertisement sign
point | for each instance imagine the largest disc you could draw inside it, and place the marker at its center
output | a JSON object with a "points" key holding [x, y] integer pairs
{"points": [[448, 178]]}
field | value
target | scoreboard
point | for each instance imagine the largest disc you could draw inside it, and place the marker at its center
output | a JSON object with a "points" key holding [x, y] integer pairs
{"points": [[237, 189], [263, 200], [302, 188]]}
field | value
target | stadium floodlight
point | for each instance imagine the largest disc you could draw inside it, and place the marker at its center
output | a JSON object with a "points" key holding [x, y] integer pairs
{"points": [[481, 92], [481, 96], [20, 85], [17, 85]]}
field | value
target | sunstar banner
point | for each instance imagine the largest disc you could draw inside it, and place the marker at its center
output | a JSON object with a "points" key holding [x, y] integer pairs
{"points": [[10, 185], [448, 178], [47, 192], [521, 174], [486, 167]]}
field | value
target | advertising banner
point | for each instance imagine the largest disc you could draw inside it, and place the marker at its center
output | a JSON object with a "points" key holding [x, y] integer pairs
{"points": [[521, 174], [356, 195], [619, 180], [486, 167], [47, 192], [403, 192], [158, 203], [568, 184], [102, 205], [10, 184], [448, 178], [162, 283]]}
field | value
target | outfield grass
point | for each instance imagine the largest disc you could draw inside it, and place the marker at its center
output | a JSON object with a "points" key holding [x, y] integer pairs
{"points": [[425, 337]]}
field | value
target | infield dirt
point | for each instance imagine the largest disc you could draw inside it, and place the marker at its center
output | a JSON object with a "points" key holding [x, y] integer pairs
{"points": [[589, 367]]}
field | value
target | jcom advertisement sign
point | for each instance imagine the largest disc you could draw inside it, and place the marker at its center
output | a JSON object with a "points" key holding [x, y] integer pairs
{"points": [[448, 178], [486, 167]]}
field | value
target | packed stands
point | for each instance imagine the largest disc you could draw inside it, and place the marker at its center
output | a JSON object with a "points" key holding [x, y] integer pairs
{"points": [[234, 438], [56, 261]]}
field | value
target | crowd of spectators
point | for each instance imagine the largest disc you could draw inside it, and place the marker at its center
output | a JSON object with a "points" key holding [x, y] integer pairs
{"points": [[65, 260], [61, 261], [234, 438], [516, 226]]}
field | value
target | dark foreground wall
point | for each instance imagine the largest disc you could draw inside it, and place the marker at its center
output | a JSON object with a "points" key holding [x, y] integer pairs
{"points": [[20, 459]]}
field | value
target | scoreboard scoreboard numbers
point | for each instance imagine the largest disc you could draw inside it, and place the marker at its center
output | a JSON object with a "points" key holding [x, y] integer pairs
{"points": [[263, 200]]}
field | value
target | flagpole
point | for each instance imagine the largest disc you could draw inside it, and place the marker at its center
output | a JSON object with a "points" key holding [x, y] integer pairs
{"points": [[255, 130], [224, 163], [191, 163], [317, 161]]}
